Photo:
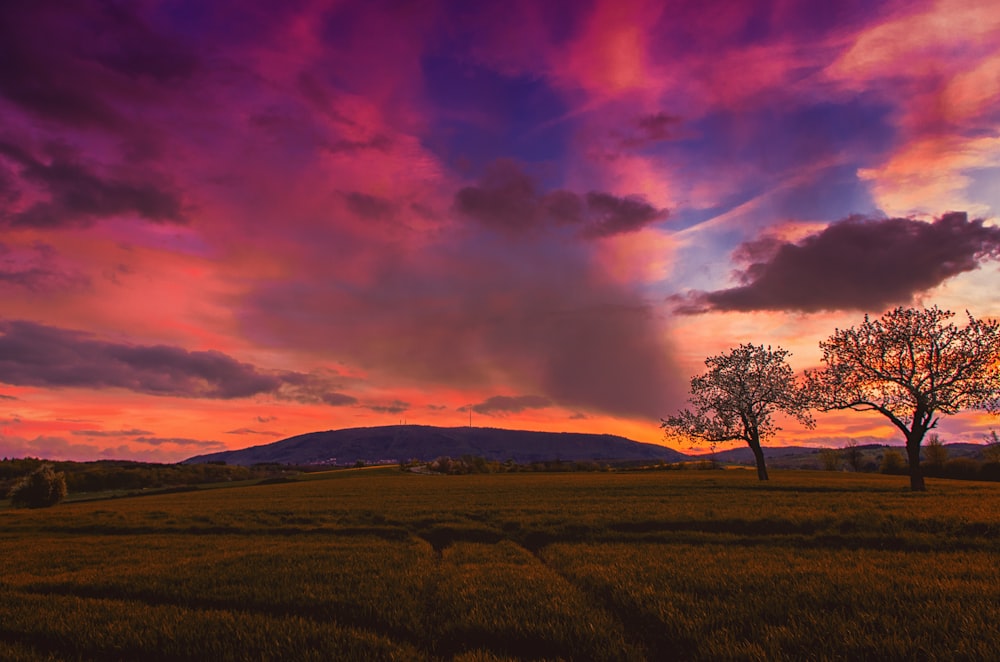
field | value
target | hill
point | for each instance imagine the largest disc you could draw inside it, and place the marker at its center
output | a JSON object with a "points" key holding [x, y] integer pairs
{"points": [[400, 443]]}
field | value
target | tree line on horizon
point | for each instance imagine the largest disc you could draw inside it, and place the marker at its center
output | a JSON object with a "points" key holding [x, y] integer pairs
{"points": [[912, 366]]}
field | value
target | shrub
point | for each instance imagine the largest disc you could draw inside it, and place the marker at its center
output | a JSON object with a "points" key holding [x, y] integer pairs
{"points": [[830, 459], [892, 462], [853, 455], [935, 455], [991, 453], [42, 488]]}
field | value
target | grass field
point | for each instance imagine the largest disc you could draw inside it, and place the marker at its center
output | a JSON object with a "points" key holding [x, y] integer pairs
{"points": [[378, 564]]}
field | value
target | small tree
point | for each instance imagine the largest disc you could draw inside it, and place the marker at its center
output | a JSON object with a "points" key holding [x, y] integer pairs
{"points": [[935, 454], [911, 366], [853, 455], [830, 459], [992, 451], [737, 397], [892, 462], [42, 488]]}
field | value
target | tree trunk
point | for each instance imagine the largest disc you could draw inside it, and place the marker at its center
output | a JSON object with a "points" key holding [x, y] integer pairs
{"points": [[758, 454], [913, 457]]}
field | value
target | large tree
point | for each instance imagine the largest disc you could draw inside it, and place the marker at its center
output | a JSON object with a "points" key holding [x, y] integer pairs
{"points": [[911, 366], [737, 398]]}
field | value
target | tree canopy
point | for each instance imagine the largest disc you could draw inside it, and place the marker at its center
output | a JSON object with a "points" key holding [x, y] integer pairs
{"points": [[737, 398], [911, 366]]}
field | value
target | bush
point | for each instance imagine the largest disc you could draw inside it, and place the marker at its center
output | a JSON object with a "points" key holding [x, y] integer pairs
{"points": [[830, 459], [42, 488], [892, 462], [853, 455], [935, 455]]}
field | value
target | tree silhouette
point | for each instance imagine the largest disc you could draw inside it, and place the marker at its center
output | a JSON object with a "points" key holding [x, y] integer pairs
{"points": [[912, 366], [737, 397]]}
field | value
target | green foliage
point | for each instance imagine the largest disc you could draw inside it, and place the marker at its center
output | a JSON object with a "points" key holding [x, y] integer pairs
{"points": [[379, 564], [42, 488]]}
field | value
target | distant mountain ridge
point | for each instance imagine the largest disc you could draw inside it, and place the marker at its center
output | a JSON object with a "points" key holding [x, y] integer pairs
{"points": [[401, 443]]}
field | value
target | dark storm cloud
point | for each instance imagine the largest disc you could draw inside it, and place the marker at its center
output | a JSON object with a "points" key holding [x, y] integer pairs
{"points": [[38, 355], [857, 263], [71, 61], [506, 404], [78, 197], [509, 200]]}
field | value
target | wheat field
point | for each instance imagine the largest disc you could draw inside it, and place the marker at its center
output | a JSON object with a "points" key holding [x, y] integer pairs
{"points": [[385, 565]]}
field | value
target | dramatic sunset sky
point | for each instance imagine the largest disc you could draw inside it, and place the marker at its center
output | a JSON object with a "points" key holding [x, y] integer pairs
{"points": [[227, 222]]}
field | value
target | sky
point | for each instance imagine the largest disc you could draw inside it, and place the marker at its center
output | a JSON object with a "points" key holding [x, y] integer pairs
{"points": [[225, 223]]}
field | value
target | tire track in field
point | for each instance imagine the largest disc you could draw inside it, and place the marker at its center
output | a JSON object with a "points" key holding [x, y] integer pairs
{"points": [[634, 629]]}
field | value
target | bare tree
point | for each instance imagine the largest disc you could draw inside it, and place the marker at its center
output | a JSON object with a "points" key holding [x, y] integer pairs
{"points": [[911, 366], [737, 397]]}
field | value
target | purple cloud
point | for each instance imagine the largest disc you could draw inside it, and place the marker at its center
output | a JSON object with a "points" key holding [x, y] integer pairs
{"points": [[37, 268], [78, 197], [857, 263], [505, 404], [34, 354], [650, 129], [369, 207], [509, 200], [76, 79], [394, 407]]}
